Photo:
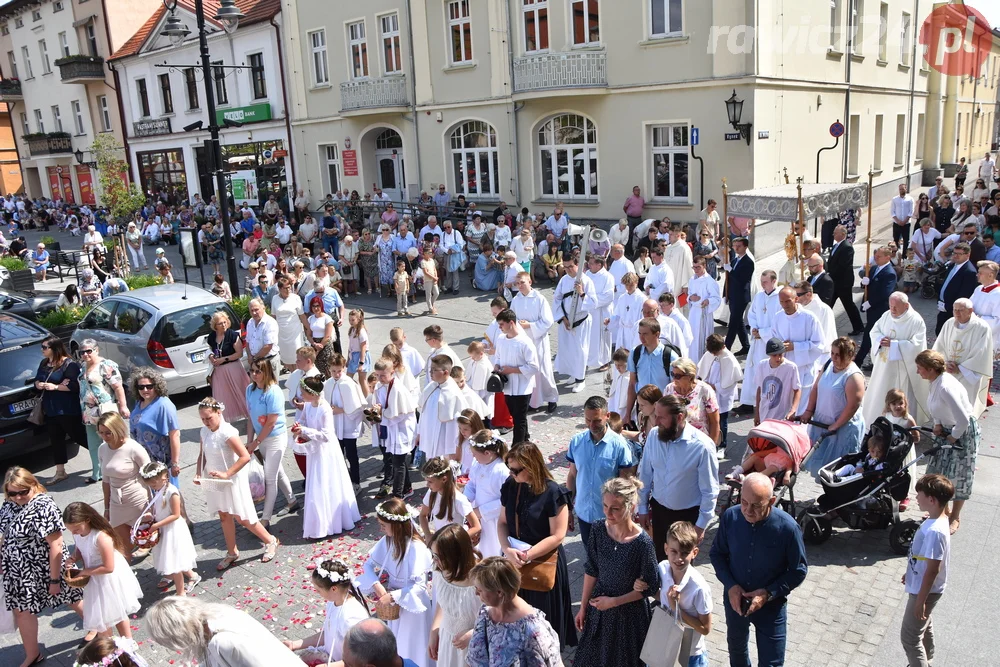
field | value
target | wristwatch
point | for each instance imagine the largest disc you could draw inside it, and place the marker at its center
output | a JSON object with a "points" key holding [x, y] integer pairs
{"points": [[55, 581]]}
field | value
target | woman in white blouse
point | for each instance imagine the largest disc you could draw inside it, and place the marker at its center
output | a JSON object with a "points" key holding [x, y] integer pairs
{"points": [[955, 425]]}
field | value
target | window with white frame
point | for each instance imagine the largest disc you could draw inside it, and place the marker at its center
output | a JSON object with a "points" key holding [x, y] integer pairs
{"points": [[77, 116], [332, 168], [567, 146], [835, 24], [44, 50], [856, 29], [36, 15], [63, 45], [166, 94], [57, 6], [586, 26], [475, 159], [92, 39], [143, 96], [26, 59], [258, 82], [358, 45], [897, 158], [853, 145], [883, 31], [13, 64], [25, 128], [390, 43], [320, 66], [56, 119], [102, 103], [666, 18], [191, 85], [18, 22], [536, 25], [219, 74], [905, 39], [460, 29], [39, 122], [669, 148]]}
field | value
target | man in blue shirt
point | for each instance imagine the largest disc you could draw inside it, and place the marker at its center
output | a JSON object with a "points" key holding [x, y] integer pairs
{"points": [[330, 232], [442, 201], [595, 456], [650, 369], [759, 557]]}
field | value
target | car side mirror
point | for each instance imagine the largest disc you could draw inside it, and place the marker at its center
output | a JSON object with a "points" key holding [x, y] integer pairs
{"points": [[83, 324]]}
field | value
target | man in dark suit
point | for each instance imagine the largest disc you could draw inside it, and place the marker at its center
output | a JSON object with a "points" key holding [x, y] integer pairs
{"points": [[840, 267], [977, 248], [959, 283], [821, 281], [740, 275], [881, 282]]}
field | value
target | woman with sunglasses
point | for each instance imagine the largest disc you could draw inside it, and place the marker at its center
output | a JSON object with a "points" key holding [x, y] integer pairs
{"points": [[153, 422], [58, 378], [31, 557], [101, 391], [702, 404], [266, 431]]}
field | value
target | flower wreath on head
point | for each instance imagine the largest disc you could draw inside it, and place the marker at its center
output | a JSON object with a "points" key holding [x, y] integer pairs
{"points": [[494, 441], [304, 387], [212, 404], [412, 513], [156, 469], [123, 646], [330, 575]]}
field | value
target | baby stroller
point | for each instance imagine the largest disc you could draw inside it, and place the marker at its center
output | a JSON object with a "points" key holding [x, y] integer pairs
{"points": [[934, 275], [793, 439], [868, 500]]}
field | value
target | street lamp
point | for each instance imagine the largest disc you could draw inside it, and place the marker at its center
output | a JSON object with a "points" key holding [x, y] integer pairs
{"points": [[229, 16], [734, 108]]}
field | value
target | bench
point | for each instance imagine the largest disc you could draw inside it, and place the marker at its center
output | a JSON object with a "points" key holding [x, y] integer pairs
{"points": [[65, 264]]}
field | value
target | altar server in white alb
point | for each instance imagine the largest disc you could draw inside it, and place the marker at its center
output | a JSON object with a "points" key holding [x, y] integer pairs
{"points": [[620, 265], [441, 403], [760, 315], [824, 314], [471, 398], [802, 335], [347, 403], [966, 342], [627, 314], [677, 255], [478, 368], [534, 315], [434, 337], [660, 277], [600, 335], [667, 304], [572, 307], [986, 301], [396, 431], [704, 298]]}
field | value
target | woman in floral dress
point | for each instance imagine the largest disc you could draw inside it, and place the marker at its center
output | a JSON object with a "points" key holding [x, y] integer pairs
{"points": [[101, 390], [368, 259], [702, 404], [386, 262], [474, 234]]}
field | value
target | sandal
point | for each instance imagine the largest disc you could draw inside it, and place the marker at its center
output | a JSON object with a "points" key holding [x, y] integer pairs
{"points": [[55, 480], [270, 550], [227, 562], [954, 525]]}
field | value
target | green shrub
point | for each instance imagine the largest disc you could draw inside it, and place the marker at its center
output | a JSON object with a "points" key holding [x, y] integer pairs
{"points": [[241, 307], [13, 264], [140, 280], [47, 240], [109, 243], [61, 317]]}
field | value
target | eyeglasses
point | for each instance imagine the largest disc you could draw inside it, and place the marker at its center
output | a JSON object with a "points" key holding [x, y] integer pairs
{"points": [[514, 472], [801, 293], [144, 387], [678, 375], [18, 494], [46, 347], [255, 371], [86, 350]]}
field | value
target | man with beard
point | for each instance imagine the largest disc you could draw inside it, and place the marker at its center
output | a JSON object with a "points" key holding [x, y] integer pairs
{"points": [[535, 317], [679, 472]]}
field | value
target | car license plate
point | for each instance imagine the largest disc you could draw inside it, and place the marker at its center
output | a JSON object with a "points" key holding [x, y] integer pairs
{"points": [[198, 357], [22, 406]]}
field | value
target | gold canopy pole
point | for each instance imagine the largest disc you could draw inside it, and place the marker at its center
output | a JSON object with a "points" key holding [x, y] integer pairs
{"points": [[868, 241]]}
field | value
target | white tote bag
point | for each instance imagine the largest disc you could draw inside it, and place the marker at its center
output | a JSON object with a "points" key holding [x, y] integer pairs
{"points": [[7, 624], [668, 641]]}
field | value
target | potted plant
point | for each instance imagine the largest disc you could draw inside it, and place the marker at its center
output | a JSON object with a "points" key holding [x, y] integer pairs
{"points": [[140, 280], [62, 322], [19, 276], [241, 307], [51, 244]]}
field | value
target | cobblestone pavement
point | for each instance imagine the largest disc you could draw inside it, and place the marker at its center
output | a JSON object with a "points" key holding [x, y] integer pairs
{"points": [[845, 613]]}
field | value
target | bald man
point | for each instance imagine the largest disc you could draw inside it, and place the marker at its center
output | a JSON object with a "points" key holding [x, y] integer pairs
{"points": [[820, 280]]}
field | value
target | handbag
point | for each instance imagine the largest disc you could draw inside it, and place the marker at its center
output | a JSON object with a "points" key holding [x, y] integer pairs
{"points": [[667, 641], [496, 382], [537, 575], [36, 417]]}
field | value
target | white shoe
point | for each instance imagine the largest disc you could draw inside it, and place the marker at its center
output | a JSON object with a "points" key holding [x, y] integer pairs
{"points": [[579, 386], [720, 453]]}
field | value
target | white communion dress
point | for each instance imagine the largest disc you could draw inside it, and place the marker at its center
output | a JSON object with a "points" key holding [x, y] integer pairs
{"points": [[234, 498], [483, 491], [459, 608], [107, 598], [175, 551], [338, 621]]}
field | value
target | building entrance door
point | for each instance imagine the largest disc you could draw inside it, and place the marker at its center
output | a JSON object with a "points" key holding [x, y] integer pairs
{"points": [[391, 165]]}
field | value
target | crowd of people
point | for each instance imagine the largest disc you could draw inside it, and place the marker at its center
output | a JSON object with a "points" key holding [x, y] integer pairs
{"points": [[478, 573]]}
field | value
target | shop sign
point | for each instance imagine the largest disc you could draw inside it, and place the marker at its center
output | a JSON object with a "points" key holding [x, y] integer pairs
{"points": [[86, 180], [349, 159], [151, 128], [281, 152], [245, 187], [61, 184], [254, 113]]}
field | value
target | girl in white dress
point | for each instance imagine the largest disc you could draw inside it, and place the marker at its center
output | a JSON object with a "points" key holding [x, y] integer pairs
{"points": [[469, 423], [403, 563], [330, 504], [174, 555], [223, 458], [487, 476], [113, 591], [455, 593], [443, 502], [345, 608]]}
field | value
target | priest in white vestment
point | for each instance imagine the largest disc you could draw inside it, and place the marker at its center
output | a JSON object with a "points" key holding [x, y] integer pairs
{"points": [[966, 342], [572, 304], [763, 306], [896, 339], [704, 298], [659, 278], [808, 300], [599, 355], [627, 314], [440, 405], [535, 317], [678, 257], [803, 338], [986, 301], [620, 265]]}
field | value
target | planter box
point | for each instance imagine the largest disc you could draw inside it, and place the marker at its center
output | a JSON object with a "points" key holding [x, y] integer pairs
{"points": [[10, 91], [64, 333], [22, 281], [78, 71]]}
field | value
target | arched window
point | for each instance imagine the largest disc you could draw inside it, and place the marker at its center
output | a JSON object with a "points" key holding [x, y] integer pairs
{"points": [[475, 159], [567, 145], [388, 138]]}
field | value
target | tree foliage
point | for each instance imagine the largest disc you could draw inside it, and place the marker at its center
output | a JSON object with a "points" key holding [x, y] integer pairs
{"points": [[122, 198]]}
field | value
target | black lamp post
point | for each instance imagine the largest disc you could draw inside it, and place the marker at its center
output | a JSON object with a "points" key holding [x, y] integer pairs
{"points": [[229, 16], [734, 108]]}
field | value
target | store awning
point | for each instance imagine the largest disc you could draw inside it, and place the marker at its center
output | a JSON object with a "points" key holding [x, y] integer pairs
{"points": [[782, 202]]}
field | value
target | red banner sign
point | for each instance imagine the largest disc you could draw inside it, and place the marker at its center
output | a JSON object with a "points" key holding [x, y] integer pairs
{"points": [[54, 182], [350, 162], [61, 184], [86, 180]]}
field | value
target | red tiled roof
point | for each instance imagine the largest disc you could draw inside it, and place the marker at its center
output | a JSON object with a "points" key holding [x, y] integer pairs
{"points": [[256, 11]]}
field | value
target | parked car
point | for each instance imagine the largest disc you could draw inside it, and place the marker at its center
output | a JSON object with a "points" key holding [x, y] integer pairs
{"points": [[166, 327], [20, 354], [28, 307]]}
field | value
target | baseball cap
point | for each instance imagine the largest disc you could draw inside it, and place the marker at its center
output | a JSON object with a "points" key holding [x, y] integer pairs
{"points": [[775, 346]]}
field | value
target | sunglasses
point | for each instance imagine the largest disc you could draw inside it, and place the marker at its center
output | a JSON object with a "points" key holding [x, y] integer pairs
{"points": [[18, 494], [46, 347], [255, 371], [678, 376], [515, 471], [87, 350], [144, 387]]}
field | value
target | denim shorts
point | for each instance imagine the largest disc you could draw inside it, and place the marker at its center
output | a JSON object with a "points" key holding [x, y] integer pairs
{"points": [[700, 660]]}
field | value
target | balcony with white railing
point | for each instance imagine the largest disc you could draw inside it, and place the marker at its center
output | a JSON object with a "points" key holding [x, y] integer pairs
{"points": [[374, 94], [544, 71]]}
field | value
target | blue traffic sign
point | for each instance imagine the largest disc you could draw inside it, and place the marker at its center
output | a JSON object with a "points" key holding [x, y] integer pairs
{"points": [[837, 130], [695, 135]]}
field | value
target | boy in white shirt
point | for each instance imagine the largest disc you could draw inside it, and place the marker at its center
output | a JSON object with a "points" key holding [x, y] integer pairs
{"points": [[926, 569], [778, 385]]}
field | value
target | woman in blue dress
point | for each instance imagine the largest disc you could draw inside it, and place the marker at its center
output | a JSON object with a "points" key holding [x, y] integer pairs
{"points": [[40, 261], [489, 269], [835, 399], [386, 261]]}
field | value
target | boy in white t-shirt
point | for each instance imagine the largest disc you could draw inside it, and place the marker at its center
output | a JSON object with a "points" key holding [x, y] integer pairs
{"points": [[778, 385], [926, 569], [682, 585]]}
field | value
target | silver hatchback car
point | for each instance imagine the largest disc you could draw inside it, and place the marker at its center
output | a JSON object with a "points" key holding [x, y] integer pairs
{"points": [[165, 327]]}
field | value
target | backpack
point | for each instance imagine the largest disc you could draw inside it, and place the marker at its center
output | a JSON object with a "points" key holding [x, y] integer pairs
{"points": [[673, 350]]}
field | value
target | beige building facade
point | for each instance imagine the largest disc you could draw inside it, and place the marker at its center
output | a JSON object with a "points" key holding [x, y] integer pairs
{"points": [[540, 101]]}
